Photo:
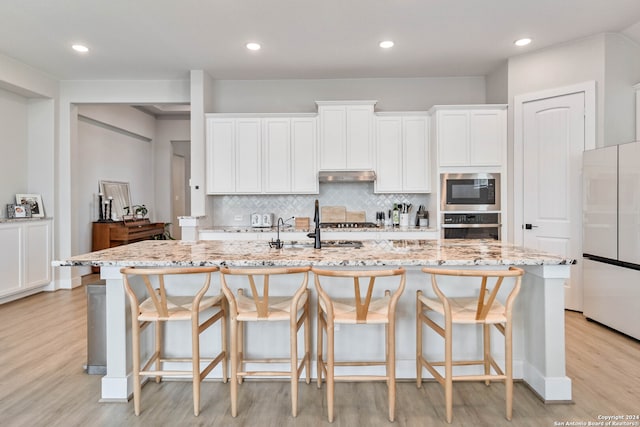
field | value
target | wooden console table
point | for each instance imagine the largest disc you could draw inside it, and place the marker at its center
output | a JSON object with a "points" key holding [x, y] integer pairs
{"points": [[109, 234]]}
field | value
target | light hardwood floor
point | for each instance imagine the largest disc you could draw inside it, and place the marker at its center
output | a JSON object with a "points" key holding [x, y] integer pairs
{"points": [[42, 383]]}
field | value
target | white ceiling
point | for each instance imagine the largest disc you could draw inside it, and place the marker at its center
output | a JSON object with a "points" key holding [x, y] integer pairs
{"points": [[164, 39]]}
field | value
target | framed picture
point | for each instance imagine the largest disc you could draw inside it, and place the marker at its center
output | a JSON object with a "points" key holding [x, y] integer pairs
{"points": [[34, 201], [18, 211]]}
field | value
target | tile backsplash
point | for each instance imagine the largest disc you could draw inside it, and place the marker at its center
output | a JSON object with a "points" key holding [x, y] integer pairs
{"points": [[357, 196]]}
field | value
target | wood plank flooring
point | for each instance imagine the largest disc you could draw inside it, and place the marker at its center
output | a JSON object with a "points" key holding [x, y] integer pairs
{"points": [[42, 383]]}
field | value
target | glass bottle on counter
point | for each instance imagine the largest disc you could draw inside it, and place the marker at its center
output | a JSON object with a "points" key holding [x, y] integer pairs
{"points": [[396, 215]]}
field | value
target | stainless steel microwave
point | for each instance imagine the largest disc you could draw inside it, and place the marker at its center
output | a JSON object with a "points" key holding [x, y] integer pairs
{"points": [[470, 192]]}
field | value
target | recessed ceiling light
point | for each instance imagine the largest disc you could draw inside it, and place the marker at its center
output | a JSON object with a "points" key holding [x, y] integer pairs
{"points": [[80, 48], [386, 44], [253, 46], [522, 42]]}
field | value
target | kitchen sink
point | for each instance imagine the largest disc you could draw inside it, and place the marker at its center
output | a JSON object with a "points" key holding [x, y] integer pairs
{"points": [[356, 244]]}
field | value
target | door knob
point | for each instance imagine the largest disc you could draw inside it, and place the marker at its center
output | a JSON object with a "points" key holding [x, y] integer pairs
{"points": [[529, 226]]}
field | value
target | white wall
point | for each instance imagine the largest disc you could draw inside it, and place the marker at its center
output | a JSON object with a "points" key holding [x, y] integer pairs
{"points": [[110, 153], [299, 96], [562, 65], [13, 137], [497, 85]]}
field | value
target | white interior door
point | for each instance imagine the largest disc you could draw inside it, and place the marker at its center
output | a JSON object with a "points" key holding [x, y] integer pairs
{"points": [[553, 141], [178, 193]]}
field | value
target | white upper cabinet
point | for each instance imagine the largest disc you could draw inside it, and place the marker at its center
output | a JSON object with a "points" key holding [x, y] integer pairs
{"points": [[471, 136], [234, 156], [346, 135], [290, 155], [402, 153], [257, 155]]}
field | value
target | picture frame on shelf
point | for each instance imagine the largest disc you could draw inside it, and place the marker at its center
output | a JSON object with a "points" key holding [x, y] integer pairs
{"points": [[19, 210], [35, 203]]}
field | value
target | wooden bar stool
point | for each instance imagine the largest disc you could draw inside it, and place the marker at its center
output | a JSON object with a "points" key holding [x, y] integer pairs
{"points": [[259, 306], [360, 309], [159, 306], [481, 309]]}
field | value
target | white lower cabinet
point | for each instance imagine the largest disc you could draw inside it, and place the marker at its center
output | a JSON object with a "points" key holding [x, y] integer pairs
{"points": [[402, 154], [25, 255]]}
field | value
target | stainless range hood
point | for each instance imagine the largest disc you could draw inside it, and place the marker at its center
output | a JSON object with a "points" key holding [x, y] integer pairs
{"points": [[347, 176]]}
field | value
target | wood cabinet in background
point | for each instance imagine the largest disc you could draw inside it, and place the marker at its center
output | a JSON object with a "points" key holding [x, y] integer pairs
{"points": [[346, 135], [403, 162], [115, 233], [471, 135]]}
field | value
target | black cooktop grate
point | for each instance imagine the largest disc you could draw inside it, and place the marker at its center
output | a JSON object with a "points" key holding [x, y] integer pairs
{"points": [[347, 225]]}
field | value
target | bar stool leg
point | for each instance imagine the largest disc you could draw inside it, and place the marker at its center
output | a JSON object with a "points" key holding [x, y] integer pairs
{"points": [[137, 389], [293, 358], [391, 368], [508, 369], [307, 336], [224, 306], [320, 362], [418, 340], [234, 367], [486, 332], [330, 369], [195, 363], [158, 348], [448, 385]]}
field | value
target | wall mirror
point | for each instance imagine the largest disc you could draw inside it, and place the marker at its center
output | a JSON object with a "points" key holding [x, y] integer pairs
{"points": [[119, 192]]}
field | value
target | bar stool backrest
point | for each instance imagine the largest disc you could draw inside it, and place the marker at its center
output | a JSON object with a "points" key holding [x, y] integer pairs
{"points": [[154, 280], [260, 296], [486, 295], [362, 301]]}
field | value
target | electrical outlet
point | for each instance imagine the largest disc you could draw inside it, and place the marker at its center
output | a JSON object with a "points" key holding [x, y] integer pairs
{"points": [[237, 218], [336, 328]]}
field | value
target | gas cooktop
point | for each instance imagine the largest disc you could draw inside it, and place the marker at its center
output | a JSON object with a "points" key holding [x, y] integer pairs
{"points": [[347, 225]]}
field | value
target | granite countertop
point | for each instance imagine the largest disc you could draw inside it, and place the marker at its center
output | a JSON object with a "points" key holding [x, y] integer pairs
{"points": [[248, 229], [258, 253]]}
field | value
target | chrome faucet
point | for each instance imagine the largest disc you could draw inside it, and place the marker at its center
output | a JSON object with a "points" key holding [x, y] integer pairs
{"points": [[316, 234]]}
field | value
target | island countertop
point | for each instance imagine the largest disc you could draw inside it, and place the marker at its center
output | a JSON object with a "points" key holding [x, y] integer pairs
{"points": [[169, 253]]}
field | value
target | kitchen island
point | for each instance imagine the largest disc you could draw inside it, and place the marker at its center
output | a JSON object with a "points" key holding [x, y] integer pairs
{"points": [[539, 346]]}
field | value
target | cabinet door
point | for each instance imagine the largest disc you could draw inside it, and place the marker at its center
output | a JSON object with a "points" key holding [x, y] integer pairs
{"points": [[220, 156], [629, 203], [416, 165], [248, 156], [333, 149], [486, 137], [277, 156], [37, 237], [453, 138], [389, 154], [304, 167], [11, 255], [359, 137]]}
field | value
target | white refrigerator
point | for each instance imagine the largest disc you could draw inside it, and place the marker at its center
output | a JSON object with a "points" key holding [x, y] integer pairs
{"points": [[611, 237]]}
